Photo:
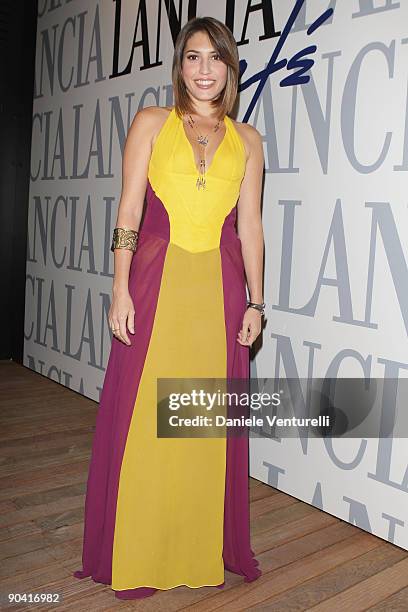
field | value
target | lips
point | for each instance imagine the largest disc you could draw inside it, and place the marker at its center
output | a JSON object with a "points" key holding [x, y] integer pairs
{"points": [[204, 83]]}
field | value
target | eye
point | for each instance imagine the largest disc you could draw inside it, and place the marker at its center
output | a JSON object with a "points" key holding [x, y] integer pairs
{"points": [[192, 56]]}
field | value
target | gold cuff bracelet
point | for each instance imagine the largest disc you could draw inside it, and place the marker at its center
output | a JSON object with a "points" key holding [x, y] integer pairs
{"points": [[124, 238]]}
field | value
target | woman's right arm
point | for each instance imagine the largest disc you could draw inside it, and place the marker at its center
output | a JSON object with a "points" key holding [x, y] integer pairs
{"points": [[135, 162]]}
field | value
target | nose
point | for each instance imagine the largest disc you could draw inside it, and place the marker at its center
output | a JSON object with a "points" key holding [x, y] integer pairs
{"points": [[205, 65]]}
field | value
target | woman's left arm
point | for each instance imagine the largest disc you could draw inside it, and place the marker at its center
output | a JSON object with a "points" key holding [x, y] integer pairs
{"points": [[250, 232]]}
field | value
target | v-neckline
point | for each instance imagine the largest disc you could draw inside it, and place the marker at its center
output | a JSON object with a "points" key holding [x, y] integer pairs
{"points": [[191, 150]]}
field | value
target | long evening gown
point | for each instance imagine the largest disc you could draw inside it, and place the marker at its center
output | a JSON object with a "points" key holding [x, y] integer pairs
{"points": [[165, 512]]}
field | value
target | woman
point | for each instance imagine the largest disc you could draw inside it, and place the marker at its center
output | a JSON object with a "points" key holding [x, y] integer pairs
{"points": [[165, 512]]}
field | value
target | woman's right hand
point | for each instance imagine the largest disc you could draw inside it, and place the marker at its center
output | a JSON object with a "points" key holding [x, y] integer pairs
{"points": [[121, 315]]}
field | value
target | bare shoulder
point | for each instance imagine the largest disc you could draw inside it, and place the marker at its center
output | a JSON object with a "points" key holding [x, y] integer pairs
{"points": [[148, 121], [251, 137], [154, 113]]}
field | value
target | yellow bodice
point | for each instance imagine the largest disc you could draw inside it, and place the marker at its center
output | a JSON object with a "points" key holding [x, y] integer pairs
{"points": [[196, 216]]}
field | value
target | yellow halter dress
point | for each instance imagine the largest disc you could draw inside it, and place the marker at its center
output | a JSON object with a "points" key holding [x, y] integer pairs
{"points": [[165, 512]]}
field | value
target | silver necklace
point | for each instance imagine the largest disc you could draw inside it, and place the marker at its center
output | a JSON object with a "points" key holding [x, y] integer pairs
{"points": [[202, 144]]}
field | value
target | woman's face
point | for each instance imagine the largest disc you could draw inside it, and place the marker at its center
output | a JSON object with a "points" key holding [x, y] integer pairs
{"points": [[203, 71]]}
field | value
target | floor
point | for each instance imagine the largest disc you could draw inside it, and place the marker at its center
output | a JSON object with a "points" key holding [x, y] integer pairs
{"points": [[310, 559]]}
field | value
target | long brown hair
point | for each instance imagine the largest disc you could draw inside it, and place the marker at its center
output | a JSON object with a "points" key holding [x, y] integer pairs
{"points": [[224, 43]]}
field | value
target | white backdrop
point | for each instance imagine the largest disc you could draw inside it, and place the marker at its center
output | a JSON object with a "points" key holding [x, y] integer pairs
{"points": [[334, 210]]}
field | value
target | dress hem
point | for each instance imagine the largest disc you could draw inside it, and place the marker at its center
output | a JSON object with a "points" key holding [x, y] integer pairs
{"points": [[123, 592], [129, 594]]}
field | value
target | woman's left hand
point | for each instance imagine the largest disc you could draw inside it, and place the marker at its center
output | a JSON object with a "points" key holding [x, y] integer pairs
{"points": [[251, 327]]}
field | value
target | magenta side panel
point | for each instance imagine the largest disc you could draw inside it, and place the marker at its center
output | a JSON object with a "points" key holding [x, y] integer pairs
{"points": [[237, 553], [122, 376]]}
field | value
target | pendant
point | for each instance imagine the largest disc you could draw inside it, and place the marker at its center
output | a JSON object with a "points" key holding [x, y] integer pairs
{"points": [[200, 183]]}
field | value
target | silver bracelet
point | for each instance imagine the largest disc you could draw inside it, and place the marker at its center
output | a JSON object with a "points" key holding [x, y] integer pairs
{"points": [[259, 307]]}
